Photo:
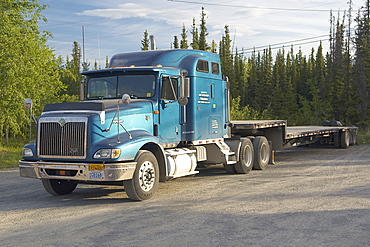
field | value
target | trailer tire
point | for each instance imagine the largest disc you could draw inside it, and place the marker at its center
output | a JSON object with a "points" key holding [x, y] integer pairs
{"points": [[344, 139], [144, 182], [246, 157], [261, 152], [58, 187], [353, 136]]}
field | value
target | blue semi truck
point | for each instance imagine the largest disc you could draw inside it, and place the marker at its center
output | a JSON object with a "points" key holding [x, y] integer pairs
{"points": [[153, 116]]}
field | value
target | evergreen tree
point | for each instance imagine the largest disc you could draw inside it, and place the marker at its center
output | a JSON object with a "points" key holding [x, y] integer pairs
{"points": [[106, 62], [70, 74], [175, 42], [265, 84], [226, 59], [240, 76], [203, 32], [195, 36], [184, 36], [145, 41], [362, 62], [214, 47], [252, 92]]}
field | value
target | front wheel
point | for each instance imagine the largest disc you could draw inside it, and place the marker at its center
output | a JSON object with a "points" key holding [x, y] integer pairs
{"points": [[145, 181], [58, 187]]}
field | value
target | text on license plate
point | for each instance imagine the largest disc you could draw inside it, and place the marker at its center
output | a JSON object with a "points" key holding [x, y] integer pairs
{"points": [[96, 171]]}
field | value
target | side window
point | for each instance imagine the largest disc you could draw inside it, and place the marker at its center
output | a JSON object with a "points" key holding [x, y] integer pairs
{"points": [[202, 66], [215, 68], [169, 88]]}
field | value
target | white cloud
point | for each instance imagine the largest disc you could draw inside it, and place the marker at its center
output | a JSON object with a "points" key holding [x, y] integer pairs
{"points": [[120, 26]]}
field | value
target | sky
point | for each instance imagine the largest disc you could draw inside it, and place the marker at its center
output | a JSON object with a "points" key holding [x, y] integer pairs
{"points": [[115, 26]]}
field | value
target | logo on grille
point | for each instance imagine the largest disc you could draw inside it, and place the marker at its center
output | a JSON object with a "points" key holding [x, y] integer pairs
{"points": [[73, 151], [62, 122]]}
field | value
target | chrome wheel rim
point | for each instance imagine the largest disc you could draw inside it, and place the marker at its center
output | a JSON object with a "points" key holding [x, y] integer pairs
{"points": [[146, 176]]}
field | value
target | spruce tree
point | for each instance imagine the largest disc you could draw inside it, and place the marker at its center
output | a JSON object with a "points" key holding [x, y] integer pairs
{"points": [[195, 36], [145, 41], [362, 63], [184, 38], [175, 42], [203, 32]]}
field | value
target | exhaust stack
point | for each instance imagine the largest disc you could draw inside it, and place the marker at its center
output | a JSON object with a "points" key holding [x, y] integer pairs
{"points": [[152, 42]]}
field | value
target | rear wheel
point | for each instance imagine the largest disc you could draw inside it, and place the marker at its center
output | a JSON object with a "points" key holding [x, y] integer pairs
{"points": [[344, 139], [246, 153], [261, 152], [145, 181], [58, 187]]}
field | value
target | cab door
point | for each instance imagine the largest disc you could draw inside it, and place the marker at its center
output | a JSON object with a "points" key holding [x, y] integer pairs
{"points": [[169, 111]]}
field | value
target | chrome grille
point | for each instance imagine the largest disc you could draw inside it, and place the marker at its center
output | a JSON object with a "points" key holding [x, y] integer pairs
{"points": [[62, 137]]}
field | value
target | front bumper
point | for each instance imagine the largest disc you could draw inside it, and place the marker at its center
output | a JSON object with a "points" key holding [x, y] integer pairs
{"points": [[77, 171]]}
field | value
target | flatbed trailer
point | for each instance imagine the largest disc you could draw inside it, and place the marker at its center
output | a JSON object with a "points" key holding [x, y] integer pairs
{"points": [[282, 136]]}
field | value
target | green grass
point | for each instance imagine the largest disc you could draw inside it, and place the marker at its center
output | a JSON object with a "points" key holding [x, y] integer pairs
{"points": [[11, 153], [363, 137]]}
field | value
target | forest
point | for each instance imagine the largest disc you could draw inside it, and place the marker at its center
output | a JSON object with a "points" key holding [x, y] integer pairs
{"points": [[304, 89]]}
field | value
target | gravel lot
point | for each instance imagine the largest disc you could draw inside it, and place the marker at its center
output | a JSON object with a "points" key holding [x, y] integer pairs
{"points": [[314, 196]]}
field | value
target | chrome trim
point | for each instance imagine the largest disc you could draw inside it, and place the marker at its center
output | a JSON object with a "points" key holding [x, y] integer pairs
{"points": [[52, 144], [100, 113], [112, 171]]}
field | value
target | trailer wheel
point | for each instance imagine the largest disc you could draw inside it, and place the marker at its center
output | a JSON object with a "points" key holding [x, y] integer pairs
{"points": [[58, 187], [353, 138], [246, 153], [344, 139], [261, 153], [145, 181]]}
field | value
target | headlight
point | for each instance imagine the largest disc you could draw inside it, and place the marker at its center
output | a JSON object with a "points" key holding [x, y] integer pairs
{"points": [[107, 153], [27, 152]]}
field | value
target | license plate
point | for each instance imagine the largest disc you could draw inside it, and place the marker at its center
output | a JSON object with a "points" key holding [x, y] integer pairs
{"points": [[96, 171]]}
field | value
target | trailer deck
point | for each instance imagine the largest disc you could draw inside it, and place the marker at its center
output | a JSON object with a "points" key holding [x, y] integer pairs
{"points": [[283, 136]]}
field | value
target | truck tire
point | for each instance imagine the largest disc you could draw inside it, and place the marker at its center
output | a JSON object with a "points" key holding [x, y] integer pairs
{"points": [[261, 153], [344, 139], [246, 155], [58, 187], [144, 182]]}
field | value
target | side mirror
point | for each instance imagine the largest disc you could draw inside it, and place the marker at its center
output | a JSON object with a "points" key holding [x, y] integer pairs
{"points": [[82, 90], [184, 88]]}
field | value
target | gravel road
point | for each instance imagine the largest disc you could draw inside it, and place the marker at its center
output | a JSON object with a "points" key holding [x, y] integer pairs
{"points": [[312, 197]]}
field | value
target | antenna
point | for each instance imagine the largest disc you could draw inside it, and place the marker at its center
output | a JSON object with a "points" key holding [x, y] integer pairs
{"points": [[99, 51]]}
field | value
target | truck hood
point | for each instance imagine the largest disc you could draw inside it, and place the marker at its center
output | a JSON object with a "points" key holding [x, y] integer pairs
{"points": [[101, 107]]}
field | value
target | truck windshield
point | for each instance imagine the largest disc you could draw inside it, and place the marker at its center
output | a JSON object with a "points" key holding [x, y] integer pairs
{"points": [[111, 87]]}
